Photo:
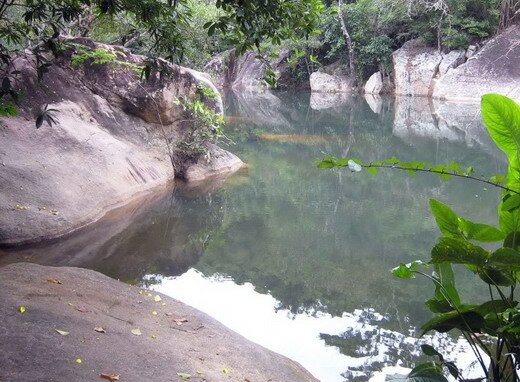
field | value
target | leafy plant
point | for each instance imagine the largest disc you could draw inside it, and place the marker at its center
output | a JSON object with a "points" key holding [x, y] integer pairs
{"points": [[205, 126], [45, 115], [491, 326]]}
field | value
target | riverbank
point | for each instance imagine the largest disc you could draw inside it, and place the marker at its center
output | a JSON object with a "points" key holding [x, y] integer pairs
{"points": [[78, 324]]}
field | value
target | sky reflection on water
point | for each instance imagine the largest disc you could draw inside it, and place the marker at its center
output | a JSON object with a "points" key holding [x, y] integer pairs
{"points": [[297, 336]]}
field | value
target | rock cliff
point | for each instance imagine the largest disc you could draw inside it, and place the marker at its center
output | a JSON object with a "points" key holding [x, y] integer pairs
{"points": [[112, 140], [420, 70], [493, 69], [247, 72]]}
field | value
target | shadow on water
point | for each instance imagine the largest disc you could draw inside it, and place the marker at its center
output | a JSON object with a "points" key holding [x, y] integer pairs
{"points": [[317, 241]]}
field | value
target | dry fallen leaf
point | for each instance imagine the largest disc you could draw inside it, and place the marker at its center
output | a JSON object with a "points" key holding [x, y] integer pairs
{"points": [[184, 376], [62, 332], [22, 309], [110, 377], [180, 321], [140, 292], [153, 337], [163, 304], [53, 280], [99, 329], [136, 332], [157, 298]]}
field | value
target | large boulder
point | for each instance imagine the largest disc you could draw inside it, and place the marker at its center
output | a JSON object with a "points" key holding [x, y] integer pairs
{"points": [[495, 68], [374, 85], [139, 336], [415, 66], [247, 72], [322, 82], [114, 138]]}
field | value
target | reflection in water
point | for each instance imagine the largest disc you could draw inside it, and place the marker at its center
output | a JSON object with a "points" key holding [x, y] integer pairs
{"points": [[316, 244], [373, 352]]}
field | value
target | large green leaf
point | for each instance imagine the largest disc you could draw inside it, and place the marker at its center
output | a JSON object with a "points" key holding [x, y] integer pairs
{"points": [[452, 225], [465, 320], [406, 271], [425, 372], [458, 251], [502, 118], [481, 232], [505, 258], [512, 240], [446, 219], [447, 290], [496, 276]]}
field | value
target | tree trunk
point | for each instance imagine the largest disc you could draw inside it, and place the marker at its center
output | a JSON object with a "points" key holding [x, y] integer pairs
{"points": [[348, 40], [509, 13]]}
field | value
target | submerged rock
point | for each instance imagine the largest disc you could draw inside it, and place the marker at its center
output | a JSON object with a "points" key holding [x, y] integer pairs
{"points": [[114, 328], [110, 141]]}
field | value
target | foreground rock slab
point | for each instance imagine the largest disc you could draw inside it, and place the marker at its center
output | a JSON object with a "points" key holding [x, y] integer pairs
{"points": [[147, 337]]}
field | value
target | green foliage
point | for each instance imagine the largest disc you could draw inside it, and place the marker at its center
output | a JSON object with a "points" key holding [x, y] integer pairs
{"points": [[45, 115], [206, 126], [206, 91], [98, 56], [498, 268], [86, 56], [8, 109]]}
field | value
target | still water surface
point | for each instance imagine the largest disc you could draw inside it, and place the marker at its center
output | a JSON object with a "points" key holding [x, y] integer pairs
{"points": [[296, 258]]}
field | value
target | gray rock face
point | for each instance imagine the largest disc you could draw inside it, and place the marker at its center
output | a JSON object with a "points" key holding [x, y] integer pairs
{"points": [[32, 350], [109, 143], [494, 69], [374, 84], [330, 83], [415, 67], [246, 72], [451, 60]]}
